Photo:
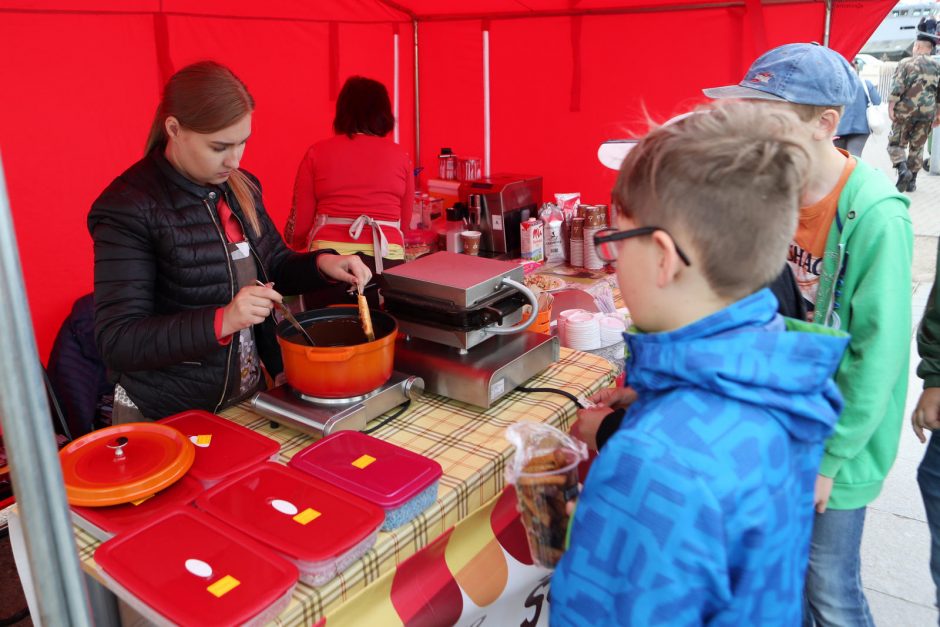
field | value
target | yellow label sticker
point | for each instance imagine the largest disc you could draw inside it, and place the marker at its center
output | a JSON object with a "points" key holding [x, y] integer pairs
{"points": [[223, 586], [203, 440], [142, 500], [306, 516], [363, 461]]}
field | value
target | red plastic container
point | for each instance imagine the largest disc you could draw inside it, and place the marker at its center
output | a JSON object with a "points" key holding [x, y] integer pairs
{"points": [[399, 481], [223, 448], [187, 568], [319, 527], [106, 522]]}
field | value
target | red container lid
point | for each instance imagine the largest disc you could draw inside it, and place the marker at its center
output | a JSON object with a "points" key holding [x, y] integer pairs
{"points": [[379, 472], [194, 570], [223, 448], [303, 518], [104, 522]]}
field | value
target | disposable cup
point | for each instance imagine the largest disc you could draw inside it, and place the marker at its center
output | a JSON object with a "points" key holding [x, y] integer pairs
{"points": [[543, 503], [471, 242]]}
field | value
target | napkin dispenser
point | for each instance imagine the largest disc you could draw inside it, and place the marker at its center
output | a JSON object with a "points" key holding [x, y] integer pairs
{"points": [[497, 206]]}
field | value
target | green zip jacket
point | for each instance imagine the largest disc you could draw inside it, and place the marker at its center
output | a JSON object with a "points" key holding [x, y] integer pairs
{"points": [[865, 289], [928, 337]]}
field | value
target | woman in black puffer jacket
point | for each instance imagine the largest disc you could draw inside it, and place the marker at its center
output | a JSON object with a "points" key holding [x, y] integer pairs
{"points": [[181, 239]]}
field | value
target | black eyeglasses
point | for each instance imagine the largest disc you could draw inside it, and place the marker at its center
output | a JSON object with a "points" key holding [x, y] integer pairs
{"points": [[605, 240]]}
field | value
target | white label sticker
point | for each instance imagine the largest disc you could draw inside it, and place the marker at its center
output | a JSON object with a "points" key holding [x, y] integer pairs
{"points": [[497, 389], [198, 568], [285, 507], [496, 222]]}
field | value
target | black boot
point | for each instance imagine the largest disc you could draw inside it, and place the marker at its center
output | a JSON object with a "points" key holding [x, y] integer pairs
{"points": [[912, 186], [904, 176]]}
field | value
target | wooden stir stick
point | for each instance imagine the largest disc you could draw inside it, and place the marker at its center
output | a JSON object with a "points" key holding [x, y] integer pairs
{"points": [[364, 314]]}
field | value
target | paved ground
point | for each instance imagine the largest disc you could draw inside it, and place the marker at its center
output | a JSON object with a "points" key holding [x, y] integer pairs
{"points": [[896, 543]]}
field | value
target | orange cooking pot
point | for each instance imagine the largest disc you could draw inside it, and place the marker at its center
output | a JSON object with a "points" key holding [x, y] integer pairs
{"points": [[343, 363]]}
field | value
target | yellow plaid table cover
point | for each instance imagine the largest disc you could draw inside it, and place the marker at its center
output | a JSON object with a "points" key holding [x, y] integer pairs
{"points": [[470, 446]]}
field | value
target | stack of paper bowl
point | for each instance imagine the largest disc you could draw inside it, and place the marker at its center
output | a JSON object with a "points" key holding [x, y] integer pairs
{"points": [[612, 329], [583, 332]]}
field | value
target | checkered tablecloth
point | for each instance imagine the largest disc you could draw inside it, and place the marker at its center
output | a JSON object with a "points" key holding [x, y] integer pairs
{"points": [[470, 445]]}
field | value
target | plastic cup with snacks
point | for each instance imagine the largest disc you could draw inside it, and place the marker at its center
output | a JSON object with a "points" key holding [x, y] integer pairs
{"points": [[544, 472]]}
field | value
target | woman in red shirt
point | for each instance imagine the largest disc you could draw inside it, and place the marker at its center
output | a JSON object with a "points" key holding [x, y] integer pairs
{"points": [[354, 192]]}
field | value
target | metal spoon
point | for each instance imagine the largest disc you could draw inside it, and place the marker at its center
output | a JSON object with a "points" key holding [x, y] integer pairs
{"points": [[281, 307]]}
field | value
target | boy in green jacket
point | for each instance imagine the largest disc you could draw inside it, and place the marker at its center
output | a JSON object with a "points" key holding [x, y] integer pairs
{"points": [[852, 259]]}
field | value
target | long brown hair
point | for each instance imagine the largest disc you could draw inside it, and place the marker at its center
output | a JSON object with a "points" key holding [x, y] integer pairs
{"points": [[207, 97]]}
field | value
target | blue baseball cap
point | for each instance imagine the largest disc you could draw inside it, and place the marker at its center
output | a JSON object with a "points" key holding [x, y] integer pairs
{"points": [[807, 74]]}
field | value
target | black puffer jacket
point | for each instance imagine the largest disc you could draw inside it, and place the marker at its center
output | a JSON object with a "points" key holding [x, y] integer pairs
{"points": [[161, 271]]}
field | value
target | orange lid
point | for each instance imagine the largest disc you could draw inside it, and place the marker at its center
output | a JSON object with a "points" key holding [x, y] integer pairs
{"points": [[124, 463]]}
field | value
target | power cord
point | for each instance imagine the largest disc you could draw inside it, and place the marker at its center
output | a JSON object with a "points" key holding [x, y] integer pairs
{"points": [[574, 399], [404, 407]]}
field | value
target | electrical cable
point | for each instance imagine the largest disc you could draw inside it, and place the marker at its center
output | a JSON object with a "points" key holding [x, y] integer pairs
{"points": [[569, 395], [404, 407]]}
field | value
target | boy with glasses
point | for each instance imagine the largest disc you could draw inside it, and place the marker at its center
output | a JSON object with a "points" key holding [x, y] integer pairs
{"points": [[852, 258], [699, 509]]}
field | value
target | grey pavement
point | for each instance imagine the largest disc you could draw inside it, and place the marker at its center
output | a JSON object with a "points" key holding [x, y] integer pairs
{"points": [[896, 541]]}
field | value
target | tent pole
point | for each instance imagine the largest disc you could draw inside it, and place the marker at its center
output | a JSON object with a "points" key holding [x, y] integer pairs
{"points": [[486, 102], [34, 462], [395, 82], [414, 23], [828, 23]]}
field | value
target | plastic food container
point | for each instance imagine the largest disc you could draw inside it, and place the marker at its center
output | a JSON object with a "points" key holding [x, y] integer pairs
{"points": [[106, 522], [187, 568], [402, 483], [321, 528], [223, 448]]}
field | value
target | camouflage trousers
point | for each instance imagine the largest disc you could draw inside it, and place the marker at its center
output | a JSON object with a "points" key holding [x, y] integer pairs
{"points": [[907, 140]]}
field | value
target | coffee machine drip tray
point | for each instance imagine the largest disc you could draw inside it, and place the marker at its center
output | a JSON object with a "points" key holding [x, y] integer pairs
{"points": [[320, 417], [483, 374]]}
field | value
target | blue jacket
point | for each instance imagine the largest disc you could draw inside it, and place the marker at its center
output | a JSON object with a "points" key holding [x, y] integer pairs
{"points": [[699, 509], [854, 120]]}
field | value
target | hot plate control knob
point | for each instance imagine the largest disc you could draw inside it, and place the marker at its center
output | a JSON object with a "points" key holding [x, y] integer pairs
{"points": [[413, 388]]}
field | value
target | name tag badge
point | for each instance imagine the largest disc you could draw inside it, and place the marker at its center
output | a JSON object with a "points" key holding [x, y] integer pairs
{"points": [[241, 251]]}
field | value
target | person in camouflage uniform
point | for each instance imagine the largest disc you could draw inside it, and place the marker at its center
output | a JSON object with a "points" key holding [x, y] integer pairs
{"points": [[913, 109]]}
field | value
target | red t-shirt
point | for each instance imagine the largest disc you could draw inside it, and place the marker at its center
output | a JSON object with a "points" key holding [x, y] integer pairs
{"points": [[347, 177], [233, 233]]}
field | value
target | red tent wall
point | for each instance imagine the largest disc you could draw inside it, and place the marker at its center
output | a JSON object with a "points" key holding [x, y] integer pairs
{"points": [[81, 86], [81, 90]]}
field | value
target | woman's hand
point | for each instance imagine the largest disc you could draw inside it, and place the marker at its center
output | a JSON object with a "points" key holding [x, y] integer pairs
{"points": [[346, 268], [251, 305]]}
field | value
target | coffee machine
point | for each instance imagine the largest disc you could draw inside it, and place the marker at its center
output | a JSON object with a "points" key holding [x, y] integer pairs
{"points": [[497, 205]]}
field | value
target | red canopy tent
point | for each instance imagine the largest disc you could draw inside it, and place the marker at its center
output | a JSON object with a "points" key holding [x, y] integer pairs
{"points": [[82, 80]]}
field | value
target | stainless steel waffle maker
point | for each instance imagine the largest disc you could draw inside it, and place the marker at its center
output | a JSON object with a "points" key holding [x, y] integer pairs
{"points": [[459, 326]]}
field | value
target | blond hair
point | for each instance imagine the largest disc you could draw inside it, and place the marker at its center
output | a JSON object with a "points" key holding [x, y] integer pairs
{"points": [[207, 97], [726, 182]]}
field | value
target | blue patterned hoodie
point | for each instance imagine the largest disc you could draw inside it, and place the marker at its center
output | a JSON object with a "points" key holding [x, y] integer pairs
{"points": [[699, 509]]}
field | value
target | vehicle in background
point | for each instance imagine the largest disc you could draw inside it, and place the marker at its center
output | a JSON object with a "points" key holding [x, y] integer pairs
{"points": [[894, 38]]}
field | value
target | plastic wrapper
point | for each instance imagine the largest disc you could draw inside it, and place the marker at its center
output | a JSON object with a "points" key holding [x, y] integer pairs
{"points": [[544, 472], [568, 201]]}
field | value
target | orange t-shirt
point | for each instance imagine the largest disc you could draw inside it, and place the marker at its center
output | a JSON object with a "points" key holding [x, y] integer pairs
{"points": [[809, 243]]}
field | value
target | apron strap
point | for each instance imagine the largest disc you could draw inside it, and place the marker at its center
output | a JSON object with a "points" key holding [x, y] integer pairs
{"points": [[379, 241]]}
